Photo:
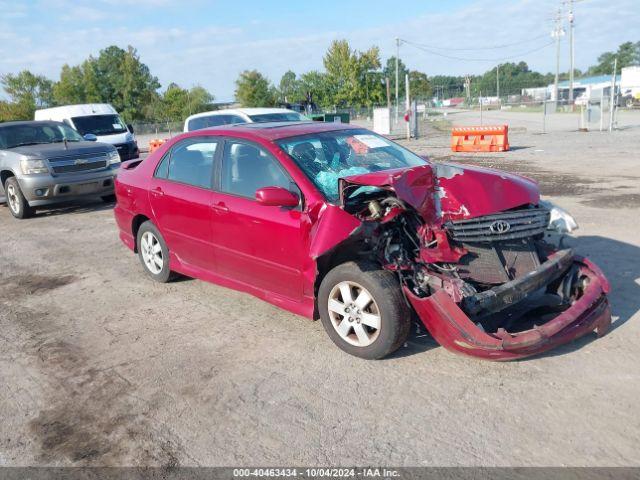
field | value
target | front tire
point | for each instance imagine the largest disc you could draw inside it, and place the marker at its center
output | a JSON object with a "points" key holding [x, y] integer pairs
{"points": [[18, 205], [153, 253], [363, 311]]}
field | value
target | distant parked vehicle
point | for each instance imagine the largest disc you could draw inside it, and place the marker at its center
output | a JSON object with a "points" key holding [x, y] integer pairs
{"points": [[99, 119], [241, 115], [42, 163]]}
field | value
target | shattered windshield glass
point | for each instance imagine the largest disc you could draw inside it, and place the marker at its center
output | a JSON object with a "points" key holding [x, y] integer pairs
{"points": [[328, 156]]}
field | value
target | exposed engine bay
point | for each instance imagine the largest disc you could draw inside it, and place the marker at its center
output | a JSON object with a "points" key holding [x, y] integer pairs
{"points": [[498, 268]]}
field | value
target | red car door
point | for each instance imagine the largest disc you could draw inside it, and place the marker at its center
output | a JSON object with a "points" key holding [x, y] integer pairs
{"points": [[181, 197], [259, 245]]}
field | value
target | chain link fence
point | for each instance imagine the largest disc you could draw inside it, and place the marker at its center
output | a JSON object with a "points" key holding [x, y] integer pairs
{"points": [[432, 120]]}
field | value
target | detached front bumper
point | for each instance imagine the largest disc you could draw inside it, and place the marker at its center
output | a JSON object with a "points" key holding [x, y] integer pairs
{"points": [[454, 330]]}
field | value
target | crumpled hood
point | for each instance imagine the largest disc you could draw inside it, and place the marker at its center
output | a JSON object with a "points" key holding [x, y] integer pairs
{"points": [[450, 191]]}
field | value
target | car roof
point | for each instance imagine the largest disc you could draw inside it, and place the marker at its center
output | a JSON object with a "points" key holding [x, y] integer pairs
{"points": [[30, 122], [276, 130], [241, 111], [78, 110]]}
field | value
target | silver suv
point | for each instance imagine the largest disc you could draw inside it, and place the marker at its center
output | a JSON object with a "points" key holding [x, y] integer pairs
{"points": [[42, 163]]}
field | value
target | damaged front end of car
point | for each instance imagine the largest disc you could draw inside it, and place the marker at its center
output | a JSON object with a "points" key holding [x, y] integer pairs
{"points": [[472, 253]]}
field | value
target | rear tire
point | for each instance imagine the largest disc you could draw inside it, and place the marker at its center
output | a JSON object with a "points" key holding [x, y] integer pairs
{"points": [[18, 205], [364, 297], [153, 253], [109, 198]]}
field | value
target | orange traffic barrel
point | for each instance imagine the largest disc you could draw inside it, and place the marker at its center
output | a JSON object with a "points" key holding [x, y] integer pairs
{"points": [[155, 144]]}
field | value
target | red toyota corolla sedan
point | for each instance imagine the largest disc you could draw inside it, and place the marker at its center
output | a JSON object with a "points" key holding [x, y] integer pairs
{"points": [[335, 222]]}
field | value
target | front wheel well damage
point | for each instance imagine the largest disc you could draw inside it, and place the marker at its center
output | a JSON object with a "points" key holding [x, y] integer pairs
{"points": [[351, 250]]}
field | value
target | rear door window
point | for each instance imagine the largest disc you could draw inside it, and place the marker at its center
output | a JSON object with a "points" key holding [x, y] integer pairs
{"points": [[190, 162]]}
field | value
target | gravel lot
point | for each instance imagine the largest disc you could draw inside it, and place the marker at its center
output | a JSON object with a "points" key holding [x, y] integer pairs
{"points": [[101, 366]]}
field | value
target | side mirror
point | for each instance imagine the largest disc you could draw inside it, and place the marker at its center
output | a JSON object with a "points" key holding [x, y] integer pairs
{"points": [[276, 197], [130, 127], [90, 137]]}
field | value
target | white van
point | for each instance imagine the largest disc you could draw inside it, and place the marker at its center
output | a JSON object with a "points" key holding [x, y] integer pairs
{"points": [[241, 115], [96, 119]]}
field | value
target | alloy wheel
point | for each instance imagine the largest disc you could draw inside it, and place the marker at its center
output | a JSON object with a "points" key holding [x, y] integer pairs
{"points": [[354, 314], [151, 252], [12, 197]]}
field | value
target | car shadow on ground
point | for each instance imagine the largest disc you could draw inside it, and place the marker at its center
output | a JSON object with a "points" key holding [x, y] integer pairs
{"points": [[418, 342], [620, 263], [76, 207]]}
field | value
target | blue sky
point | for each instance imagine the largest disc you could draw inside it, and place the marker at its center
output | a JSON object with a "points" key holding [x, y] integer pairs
{"points": [[209, 42]]}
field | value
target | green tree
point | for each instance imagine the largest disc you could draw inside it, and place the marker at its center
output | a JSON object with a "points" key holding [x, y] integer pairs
{"points": [[254, 90], [627, 54], [116, 76], [513, 78], [447, 86], [124, 81], [368, 64], [289, 88], [178, 103], [390, 73], [419, 85], [349, 75], [27, 92], [70, 88], [315, 83]]}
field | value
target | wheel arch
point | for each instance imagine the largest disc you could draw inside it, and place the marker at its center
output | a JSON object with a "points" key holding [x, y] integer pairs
{"points": [[137, 221], [351, 250], [5, 175]]}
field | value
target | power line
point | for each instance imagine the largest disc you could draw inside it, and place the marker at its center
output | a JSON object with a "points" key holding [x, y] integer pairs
{"points": [[493, 47], [453, 57]]}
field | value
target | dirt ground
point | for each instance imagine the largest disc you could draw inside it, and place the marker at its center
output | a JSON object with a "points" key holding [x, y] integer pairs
{"points": [[101, 366]]}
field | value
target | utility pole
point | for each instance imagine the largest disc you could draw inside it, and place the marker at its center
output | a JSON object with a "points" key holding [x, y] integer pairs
{"points": [[498, 82], [571, 54], [557, 33], [467, 86], [397, 76], [388, 94], [612, 96], [408, 111]]}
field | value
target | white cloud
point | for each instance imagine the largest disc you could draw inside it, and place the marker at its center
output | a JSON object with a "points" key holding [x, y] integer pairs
{"points": [[212, 56]]}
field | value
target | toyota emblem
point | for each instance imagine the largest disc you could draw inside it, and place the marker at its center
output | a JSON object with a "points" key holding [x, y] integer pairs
{"points": [[500, 226]]}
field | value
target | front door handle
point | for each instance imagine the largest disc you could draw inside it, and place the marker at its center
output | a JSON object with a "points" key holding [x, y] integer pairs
{"points": [[157, 192], [221, 207]]}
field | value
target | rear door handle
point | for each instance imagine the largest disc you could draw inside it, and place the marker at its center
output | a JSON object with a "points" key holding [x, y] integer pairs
{"points": [[157, 192], [221, 207]]}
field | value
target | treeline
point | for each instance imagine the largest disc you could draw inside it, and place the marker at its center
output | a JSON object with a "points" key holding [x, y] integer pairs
{"points": [[350, 79], [356, 79], [115, 76]]}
